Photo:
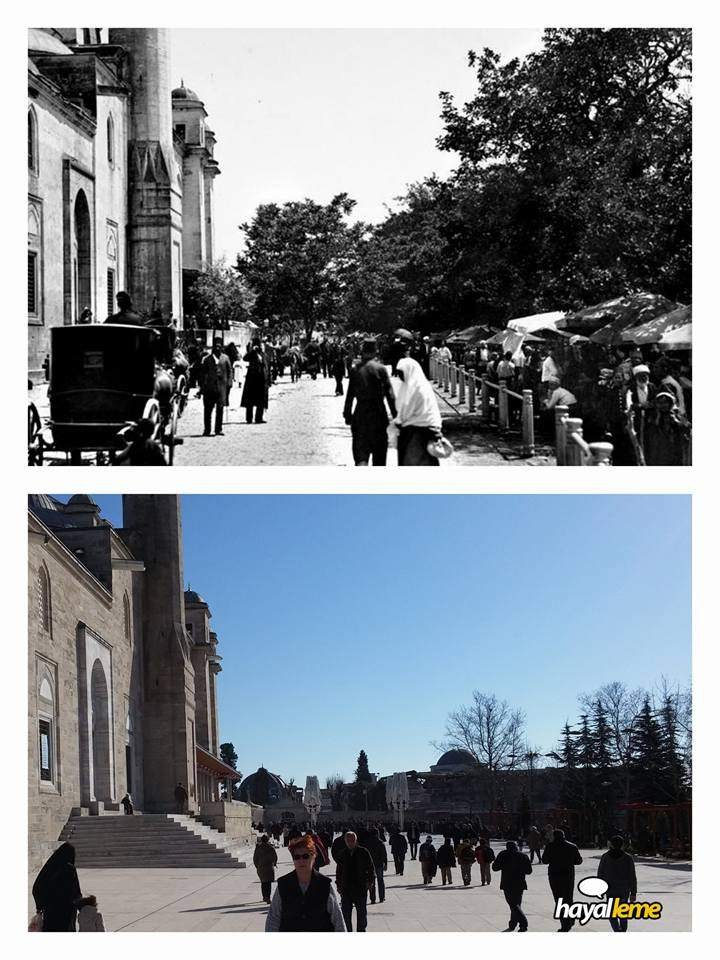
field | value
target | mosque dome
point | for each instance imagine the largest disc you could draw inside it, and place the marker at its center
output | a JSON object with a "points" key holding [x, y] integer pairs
{"points": [[45, 43], [192, 597], [81, 499], [263, 788], [456, 758], [185, 93]]}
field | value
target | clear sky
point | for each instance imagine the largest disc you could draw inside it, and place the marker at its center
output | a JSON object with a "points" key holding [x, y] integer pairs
{"points": [[313, 113], [349, 622]]}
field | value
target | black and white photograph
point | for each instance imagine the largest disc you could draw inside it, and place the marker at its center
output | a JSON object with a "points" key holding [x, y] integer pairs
{"points": [[345, 247]]}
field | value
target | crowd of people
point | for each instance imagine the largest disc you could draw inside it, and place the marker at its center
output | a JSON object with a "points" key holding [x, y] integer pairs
{"points": [[304, 899], [638, 399]]}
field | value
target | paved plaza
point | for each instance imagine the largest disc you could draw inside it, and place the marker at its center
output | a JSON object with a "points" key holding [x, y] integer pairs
{"points": [[208, 900]]}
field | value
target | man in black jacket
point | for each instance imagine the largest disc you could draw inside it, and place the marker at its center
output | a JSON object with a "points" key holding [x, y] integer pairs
{"points": [[355, 873], [371, 393], [561, 858], [413, 836], [378, 853], [514, 867]]}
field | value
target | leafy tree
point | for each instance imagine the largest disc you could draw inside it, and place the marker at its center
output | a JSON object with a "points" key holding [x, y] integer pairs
{"points": [[297, 258], [492, 732], [579, 157], [220, 297]]}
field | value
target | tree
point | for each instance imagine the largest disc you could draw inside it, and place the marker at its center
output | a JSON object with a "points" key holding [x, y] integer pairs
{"points": [[297, 258], [220, 297], [228, 755], [650, 773], [362, 772], [578, 159], [335, 784], [491, 731], [621, 706]]}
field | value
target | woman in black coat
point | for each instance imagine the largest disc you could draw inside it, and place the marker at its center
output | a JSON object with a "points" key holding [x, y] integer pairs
{"points": [[57, 889]]}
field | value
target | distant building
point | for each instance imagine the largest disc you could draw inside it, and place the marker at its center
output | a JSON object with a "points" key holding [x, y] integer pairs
{"points": [[122, 667], [120, 179]]}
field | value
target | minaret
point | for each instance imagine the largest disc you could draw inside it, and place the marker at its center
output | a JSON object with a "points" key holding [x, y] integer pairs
{"points": [[152, 527], [154, 227]]}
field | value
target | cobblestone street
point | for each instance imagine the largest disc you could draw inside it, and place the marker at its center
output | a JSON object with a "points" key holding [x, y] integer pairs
{"points": [[220, 900], [304, 427]]}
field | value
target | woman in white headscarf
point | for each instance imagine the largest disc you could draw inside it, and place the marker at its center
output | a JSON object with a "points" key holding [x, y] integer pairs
{"points": [[418, 416]]}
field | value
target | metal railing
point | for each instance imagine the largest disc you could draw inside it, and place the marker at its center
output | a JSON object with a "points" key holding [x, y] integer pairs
{"points": [[463, 387]]}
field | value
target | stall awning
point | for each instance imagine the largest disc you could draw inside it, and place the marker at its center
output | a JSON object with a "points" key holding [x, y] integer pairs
{"points": [[537, 322], [674, 328], [214, 765]]}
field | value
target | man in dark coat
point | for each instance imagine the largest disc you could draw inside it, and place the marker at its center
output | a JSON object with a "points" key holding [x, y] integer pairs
{"points": [[561, 858], [181, 797], [378, 853], [255, 393], [398, 847], [215, 381], [413, 835], [446, 861], [355, 873], [125, 314], [370, 390], [617, 869], [56, 891], [513, 867]]}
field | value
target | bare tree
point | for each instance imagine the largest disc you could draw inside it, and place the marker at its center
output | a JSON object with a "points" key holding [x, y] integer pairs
{"points": [[491, 731]]}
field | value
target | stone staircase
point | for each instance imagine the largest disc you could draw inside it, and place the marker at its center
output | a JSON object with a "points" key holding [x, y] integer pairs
{"points": [[148, 840]]}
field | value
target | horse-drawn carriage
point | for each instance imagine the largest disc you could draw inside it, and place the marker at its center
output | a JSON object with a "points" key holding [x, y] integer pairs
{"points": [[105, 380]]}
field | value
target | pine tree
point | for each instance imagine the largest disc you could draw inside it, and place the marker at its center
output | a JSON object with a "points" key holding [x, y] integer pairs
{"points": [[673, 774], [601, 735], [362, 773], [567, 757], [647, 757]]}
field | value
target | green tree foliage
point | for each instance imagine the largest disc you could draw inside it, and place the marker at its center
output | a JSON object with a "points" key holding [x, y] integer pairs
{"points": [[219, 297], [297, 258], [362, 771], [228, 755]]}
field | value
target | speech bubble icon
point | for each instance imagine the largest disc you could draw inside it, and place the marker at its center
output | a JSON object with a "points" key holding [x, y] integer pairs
{"points": [[593, 887]]}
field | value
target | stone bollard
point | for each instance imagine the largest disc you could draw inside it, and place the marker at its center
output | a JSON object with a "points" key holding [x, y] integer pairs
{"points": [[431, 368], [461, 385], [528, 424], [574, 456], [601, 454], [561, 413], [503, 412], [484, 398], [471, 390], [453, 379], [444, 375]]}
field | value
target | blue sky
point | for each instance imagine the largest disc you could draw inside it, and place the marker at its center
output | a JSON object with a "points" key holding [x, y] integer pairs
{"points": [[350, 622]]}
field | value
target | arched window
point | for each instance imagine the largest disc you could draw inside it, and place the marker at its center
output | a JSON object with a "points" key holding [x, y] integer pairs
{"points": [[127, 620], [111, 140], [32, 141], [44, 604], [47, 726]]}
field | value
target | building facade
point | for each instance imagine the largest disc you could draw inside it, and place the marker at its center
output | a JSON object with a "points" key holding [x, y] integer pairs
{"points": [[122, 667], [120, 175]]}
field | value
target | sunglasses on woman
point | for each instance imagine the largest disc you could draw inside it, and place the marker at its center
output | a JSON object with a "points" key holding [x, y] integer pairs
{"points": [[301, 856]]}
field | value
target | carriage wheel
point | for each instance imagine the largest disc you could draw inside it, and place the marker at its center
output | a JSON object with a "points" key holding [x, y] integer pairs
{"points": [[152, 412], [182, 390], [171, 430], [35, 438]]}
